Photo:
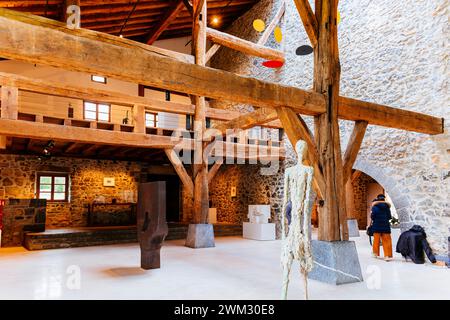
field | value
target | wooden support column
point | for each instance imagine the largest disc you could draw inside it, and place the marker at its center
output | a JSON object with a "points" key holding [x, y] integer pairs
{"points": [[10, 102], [181, 171], [332, 213], [354, 144], [200, 172], [214, 169], [139, 118], [296, 129]]}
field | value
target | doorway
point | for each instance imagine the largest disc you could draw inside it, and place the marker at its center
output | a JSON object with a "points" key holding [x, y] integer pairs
{"points": [[172, 195]]}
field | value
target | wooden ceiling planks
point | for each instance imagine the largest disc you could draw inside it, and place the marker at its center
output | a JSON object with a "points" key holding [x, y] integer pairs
{"points": [[148, 20]]}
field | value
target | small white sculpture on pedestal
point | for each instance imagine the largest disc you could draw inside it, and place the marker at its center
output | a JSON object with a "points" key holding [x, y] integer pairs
{"points": [[296, 224], [259, 213], [259, 227]]}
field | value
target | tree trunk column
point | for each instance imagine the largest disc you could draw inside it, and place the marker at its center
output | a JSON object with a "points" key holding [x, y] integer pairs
{"points": [[200, 167], [332, 212]]}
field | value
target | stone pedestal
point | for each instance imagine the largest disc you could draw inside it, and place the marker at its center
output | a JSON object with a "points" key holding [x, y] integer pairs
{"points": [[353, 230], [335, 262], [259, 231], [200, 236]]}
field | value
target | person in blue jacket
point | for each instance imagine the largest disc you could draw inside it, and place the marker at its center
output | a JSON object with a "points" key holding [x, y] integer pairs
{"points": [[381, 227]]}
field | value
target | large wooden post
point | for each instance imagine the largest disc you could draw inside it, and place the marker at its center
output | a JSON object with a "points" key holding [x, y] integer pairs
{"points": [[327, 70], [200, 172]]}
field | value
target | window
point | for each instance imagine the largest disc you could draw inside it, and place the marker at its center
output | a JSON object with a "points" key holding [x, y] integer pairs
{"points": [[53, 186], [151, 120], [97, 112], [98, 79]]}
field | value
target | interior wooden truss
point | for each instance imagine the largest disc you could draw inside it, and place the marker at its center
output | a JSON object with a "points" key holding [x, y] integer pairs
{"points": [[52, 43]]}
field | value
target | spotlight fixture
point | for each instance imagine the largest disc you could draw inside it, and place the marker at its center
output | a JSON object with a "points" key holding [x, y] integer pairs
{"points": [[121, 36], [215, 21]]}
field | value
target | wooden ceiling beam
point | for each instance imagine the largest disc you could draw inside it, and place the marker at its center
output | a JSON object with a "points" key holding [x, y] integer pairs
{"points": [[35, 130], [167, 19], [244, 46], [61, 90], [88, 51], [77, 50], [309, 20]]}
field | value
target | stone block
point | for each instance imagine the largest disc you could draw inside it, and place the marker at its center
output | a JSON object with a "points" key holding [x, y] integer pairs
{"points": [[353, 230], [335, 262], [200, 236]]}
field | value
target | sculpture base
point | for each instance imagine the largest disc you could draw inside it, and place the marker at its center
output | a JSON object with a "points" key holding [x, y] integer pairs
{"points": [[353, 230], [335, 262], [259, 231], [151, 259], [200, 236]]}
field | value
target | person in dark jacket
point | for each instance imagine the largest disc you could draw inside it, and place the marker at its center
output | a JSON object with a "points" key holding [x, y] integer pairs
{"points": [[412, 243], [381, 215]]}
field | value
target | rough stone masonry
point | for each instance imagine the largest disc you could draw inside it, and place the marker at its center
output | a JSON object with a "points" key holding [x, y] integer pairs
{"points": [[394, 53]]}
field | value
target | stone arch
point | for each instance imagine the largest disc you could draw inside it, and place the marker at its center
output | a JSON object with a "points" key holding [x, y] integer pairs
{"points": [[401, 201]]}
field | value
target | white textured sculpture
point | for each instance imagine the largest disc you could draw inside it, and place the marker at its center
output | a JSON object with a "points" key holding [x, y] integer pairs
{"points": [[296, 235], [258, 213]]}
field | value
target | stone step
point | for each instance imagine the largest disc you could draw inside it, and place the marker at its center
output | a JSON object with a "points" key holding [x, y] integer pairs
{"points": [[83, 237]]}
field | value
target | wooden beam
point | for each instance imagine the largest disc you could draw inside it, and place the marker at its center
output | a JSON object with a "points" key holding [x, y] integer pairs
{"points": [[75, 92], [167, 19], [247, 121], [271, 27], [296, 129], [9, 102], [214, 169], [212, 51], [139, 118], [2, 142], [244, 46], [200, 166], [354, 144], [181, 171], [381, 115], [309, 20], [188, 6], [332, 215], [92, 35], [78, 51], [71, 147], [35, 130]]}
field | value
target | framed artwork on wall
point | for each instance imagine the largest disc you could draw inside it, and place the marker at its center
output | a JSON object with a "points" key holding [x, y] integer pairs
{"points": [[109, 182]]}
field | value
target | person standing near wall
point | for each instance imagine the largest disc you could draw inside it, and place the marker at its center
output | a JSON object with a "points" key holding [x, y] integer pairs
{"points": [[381, 227]]}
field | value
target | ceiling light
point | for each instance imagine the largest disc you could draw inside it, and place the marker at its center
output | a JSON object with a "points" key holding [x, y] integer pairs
{"points": [[215, 21]]}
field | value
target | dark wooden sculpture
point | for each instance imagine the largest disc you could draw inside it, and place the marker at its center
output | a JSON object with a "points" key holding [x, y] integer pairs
{"points": [[151, 222]]}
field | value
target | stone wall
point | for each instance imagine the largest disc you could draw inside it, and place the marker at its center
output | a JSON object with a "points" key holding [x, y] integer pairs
{"points": [[251, 188], [18, 180], [391, 52], [360, 199], [21, 215]]}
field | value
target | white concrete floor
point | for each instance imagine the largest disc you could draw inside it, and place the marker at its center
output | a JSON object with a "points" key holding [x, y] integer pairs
{"points": [[235, 269]]}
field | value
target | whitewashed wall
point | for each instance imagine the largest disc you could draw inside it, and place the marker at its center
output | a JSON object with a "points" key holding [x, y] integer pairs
{"points": [[392, 52]]}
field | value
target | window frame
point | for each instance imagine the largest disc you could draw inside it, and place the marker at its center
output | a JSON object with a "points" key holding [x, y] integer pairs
{"points": [[102, 82], [155, 119], [52, 192], [96, 111]]}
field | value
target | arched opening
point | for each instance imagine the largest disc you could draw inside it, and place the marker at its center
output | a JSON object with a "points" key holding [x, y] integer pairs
{"points": [[366, 182]]}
